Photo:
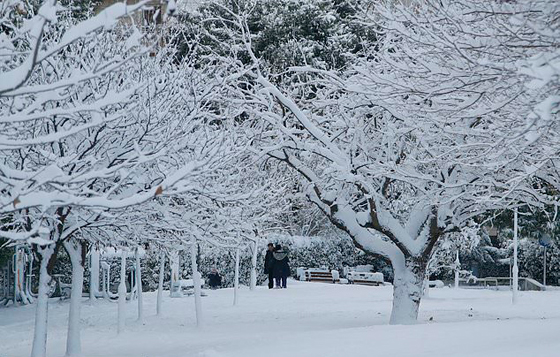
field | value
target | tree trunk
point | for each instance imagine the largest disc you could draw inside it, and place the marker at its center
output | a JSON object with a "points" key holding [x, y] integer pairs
{"points": [[139, 288], [160, 283], [457, 265], [94, 274], [236, 279], [133, 295], [426, 287], [73, 341], [28, 291], [104, 282], [196, 283], [122, 295], [39, 348], [53, 258], [254, 267], [407, 291], [174, 264], [21, 282]]}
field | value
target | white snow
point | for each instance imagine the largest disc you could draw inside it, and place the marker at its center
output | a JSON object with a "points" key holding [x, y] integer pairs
{"points": [[307, 319]]}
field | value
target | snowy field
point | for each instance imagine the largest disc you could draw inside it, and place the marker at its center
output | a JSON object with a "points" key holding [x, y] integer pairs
{"points": [[307, 319]]}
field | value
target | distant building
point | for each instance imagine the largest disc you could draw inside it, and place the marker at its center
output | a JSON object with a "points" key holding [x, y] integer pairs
{"points": [[153, 13], [150, 15]]}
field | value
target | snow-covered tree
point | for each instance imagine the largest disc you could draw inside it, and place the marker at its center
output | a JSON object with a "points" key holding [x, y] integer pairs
{"points": [[415, 139], [51, 103]]}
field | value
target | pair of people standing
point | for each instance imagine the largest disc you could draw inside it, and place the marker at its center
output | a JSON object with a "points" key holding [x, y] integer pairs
{"points": [[276, 265]]}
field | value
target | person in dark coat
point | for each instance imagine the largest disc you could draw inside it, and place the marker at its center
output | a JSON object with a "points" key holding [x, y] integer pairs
{"points": [[214, 279], [280, 267], [268, 260]]}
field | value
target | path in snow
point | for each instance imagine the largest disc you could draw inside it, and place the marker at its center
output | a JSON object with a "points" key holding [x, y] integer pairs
{"points": [[307, 319]]}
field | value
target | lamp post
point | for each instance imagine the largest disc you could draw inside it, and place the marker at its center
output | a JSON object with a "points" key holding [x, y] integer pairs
{"points": [[457, 265], [546, 242], [544, 267], [515, 269]]}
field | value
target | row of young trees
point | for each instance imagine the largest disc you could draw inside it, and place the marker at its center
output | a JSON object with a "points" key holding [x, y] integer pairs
{"points": [[109, 138], [402, 122]]}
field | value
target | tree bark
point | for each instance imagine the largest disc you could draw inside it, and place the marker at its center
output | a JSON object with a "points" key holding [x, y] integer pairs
{"points": [[236, 279], [160, 284], [426, 287], [457, 265], [407, 291], [254, 267], [139, 288], [73, 340], [122, 295], [174, 265], [196, 283], [53, 258], [39, 348], [94, 274]]}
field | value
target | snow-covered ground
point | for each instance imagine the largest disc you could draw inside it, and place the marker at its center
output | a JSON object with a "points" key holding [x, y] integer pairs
{"points": [[307, 319]]}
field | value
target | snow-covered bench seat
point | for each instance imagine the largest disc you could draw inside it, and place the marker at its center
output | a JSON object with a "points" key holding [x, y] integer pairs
{"points": [[188, 283], [363, 278], [185, 287]]}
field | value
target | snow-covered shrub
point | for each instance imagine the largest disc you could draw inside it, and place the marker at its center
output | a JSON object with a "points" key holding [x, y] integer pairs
{"points": [[531, 260], [289, 33], [398, 152]]}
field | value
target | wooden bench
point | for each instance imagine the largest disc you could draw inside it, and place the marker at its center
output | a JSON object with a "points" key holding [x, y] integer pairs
{"points": [[320, 276]]}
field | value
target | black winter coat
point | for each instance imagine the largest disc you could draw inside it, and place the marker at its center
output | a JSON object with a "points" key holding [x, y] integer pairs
{"points": [[214, 280], [268, 262], [280, 264]]}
